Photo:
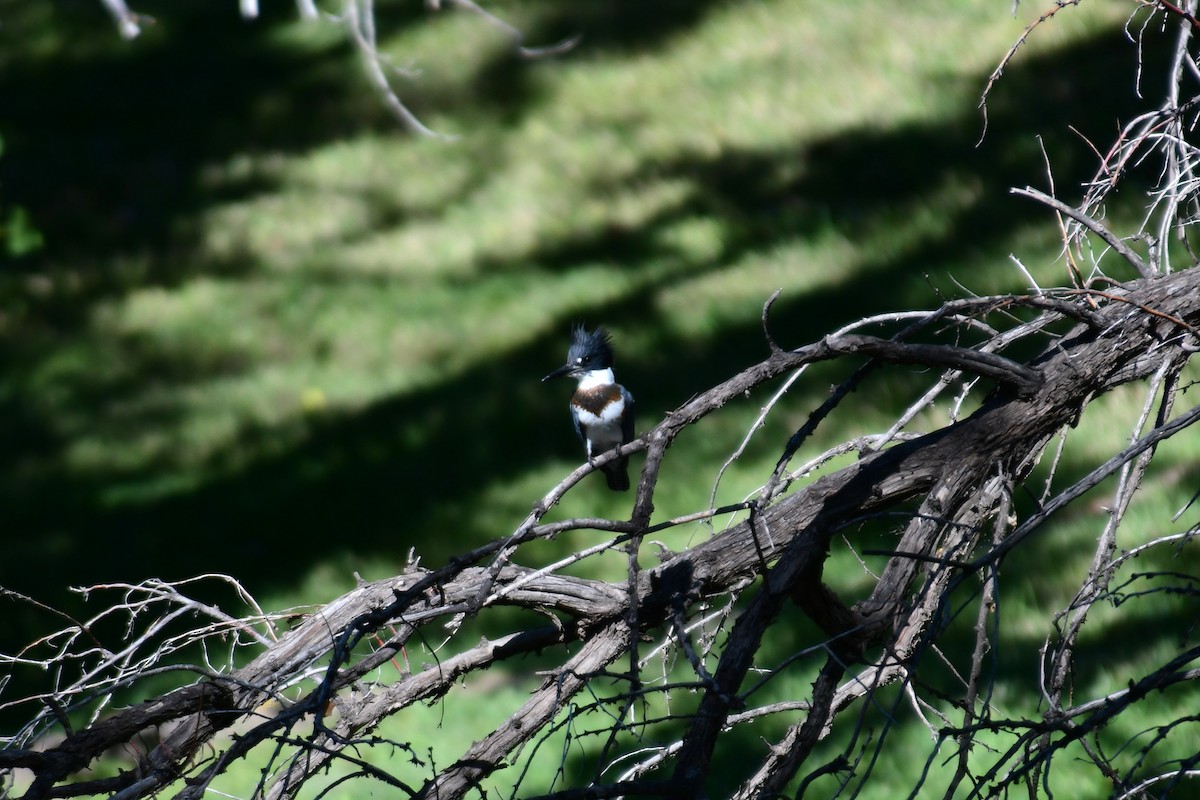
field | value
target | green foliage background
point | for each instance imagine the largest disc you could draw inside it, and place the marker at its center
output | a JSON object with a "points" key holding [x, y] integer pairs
{"points": [[272, 335]]}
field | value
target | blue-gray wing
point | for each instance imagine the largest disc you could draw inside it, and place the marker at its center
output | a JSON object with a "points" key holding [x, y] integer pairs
{"points": [[575, 421], [627, 417]]}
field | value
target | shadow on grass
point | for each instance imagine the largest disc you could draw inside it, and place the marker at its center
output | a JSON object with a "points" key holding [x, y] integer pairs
{"points": [[409, 471], [107, 144], [382, 472], [108, 138]]}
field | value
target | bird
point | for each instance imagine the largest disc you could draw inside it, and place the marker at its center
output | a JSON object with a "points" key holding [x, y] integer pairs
{"points": [[601, 408]]}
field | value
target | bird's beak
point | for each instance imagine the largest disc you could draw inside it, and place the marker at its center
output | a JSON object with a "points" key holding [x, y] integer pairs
{"points": [[565, 369]]}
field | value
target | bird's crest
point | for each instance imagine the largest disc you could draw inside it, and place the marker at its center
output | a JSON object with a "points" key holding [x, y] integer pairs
{"points": [[597, 343]]}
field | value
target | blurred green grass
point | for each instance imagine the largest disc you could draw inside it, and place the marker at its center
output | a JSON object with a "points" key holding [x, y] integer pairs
{"points": [[271, 335]]}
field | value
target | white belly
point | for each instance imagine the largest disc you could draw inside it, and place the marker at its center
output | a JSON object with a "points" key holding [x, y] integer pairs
{"points": [[603, 430]]}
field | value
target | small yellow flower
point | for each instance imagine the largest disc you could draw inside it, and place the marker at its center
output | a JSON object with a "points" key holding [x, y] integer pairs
{"points": [[313, 400]]}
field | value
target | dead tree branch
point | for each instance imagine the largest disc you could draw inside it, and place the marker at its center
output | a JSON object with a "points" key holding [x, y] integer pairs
{"points": [[357, 18], [958, 476], [657, 669]]}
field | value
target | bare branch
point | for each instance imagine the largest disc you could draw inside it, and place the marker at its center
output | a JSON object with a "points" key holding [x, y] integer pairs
{"points": [[1092, 225], [128, 23], [644, 675]]}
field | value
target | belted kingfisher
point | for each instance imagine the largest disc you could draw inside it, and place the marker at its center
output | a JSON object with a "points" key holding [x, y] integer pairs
{"points": [[601, 408]]}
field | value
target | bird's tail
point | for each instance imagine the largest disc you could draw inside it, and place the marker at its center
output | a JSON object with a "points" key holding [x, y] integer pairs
{"points": [[617, 474]]}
